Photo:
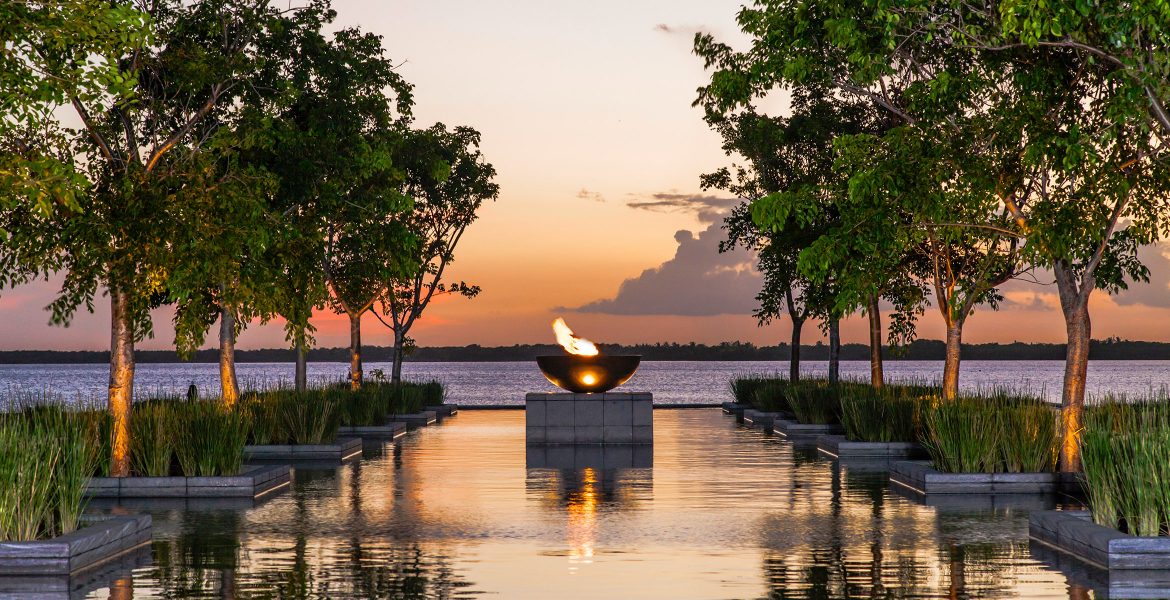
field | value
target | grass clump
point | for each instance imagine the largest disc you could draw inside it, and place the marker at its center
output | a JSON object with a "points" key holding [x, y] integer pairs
{"points": [[210, 440], [995, 432], [888, 414], [752, 390], [815, 402], [46, 455], [1125, 449], [281, 415]]}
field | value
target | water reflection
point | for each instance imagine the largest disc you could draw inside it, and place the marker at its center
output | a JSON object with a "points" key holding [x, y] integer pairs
{"points": [[466, 511]]}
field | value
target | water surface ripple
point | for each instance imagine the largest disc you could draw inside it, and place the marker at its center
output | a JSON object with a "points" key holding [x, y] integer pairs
{"points": [[723, 512]]}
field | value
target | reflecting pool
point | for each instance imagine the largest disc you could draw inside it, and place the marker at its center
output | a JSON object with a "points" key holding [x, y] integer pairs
{"points": [[716, 512]]}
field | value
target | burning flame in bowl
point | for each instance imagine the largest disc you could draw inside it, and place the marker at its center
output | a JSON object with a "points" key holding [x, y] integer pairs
{"points": [[584, 369], [572, 343]]}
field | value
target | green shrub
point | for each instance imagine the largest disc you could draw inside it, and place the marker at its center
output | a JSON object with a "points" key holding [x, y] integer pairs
{"points": [[814, 402], [770, 396], [743, 388], [1125, 450], [994, 432]]}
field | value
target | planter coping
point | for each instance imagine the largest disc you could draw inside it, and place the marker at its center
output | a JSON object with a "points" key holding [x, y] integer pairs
{"points": [[391, 430], [790, 428], [252, 482], [99, 542], [920, 476], [838, 446], [1074, 533]]}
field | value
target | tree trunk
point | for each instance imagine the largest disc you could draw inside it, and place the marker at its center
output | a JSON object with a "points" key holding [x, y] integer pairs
{"points": [[834, 350], [1076, 370], [121, 396], [794, 356], [396, 370], [355, 351], [951, 362], [229, 385], [301, 378], [875, 343]]}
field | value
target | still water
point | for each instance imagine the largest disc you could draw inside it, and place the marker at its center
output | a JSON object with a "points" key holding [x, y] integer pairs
{"points": [[718, 512], [485, 383]]}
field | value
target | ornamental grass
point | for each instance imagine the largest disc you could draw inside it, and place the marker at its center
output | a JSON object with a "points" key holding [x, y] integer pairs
{"points": [[991, 432], [888, 414], [1125, 450], [46, 456], [814, 402]]}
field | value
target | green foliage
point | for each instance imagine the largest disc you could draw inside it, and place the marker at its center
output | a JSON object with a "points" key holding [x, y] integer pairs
{"points": [[152, 439], [45, 459], [995, 432], [1126, 453], [209, 439], [888, 414], [814, 402], [284, 416]]}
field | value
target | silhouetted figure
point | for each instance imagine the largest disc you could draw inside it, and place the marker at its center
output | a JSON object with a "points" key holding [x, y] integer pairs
{"points": [[192, 393]]}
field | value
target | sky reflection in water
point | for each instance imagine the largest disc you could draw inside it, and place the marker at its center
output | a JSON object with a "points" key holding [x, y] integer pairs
{"points": [[724, 512]]}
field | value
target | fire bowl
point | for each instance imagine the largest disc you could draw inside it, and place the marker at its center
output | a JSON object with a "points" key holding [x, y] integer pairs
{"points": [[588, 374]]}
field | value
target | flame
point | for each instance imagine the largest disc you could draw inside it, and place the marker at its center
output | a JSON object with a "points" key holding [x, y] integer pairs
{"points": [[572, 343]]}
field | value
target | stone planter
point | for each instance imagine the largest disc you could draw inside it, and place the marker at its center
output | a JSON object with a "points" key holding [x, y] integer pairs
{"points": [[921, 477], [760, 419], [76, 585], [838, 446], [792, 429], [252, 482], [103, 541], [341, 450], [443, 410], [418, 419], [1075, 533], [607, 418], [389, 431], [734, 408]]}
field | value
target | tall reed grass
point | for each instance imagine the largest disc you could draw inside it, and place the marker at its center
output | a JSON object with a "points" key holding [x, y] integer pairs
{"points": [[995, 431], [815, 402], [888, 414], [1125, 449], [46, 455]]}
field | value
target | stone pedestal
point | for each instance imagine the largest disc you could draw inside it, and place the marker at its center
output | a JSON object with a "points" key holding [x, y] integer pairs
{"points": [[609, 418]]}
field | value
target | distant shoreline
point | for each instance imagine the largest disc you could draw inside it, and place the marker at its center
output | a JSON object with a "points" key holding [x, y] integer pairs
{"points": [[1111, 349]]}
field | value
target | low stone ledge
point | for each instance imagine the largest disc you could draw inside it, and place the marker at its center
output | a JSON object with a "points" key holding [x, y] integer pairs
{"points": [[734, 408], [1075, 533], [81, 584], [343, 449], [921, 477], [252, 482], [418, 419], [390, 431], [839, 446], [97, 543], [443, 410], [793, 429], [760, 419]]}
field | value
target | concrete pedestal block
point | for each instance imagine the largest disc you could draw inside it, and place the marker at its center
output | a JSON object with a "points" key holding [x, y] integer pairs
{"points": [[609, 418]]}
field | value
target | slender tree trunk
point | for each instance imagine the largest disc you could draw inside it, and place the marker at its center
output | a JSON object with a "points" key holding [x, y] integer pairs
{"points": [[121, 396], [794, 356], [396, 370], [1076, 370], [355, 351], [834, 350], [951, 363], [229, 385], [301, 378], [875, 343]]}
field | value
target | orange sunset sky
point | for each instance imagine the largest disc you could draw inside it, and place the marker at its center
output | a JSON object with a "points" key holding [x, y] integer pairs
{"points": [[585, 112]]}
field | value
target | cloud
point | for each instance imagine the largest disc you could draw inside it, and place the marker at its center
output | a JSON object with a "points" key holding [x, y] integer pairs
{"points": [[698, 281], [708, 209], [1157, 291], [585, 194]]}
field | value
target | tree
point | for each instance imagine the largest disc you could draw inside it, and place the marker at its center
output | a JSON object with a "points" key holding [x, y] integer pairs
{"points": [[151, 187], [782, 154], [1091, 183], [448, 180]]}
